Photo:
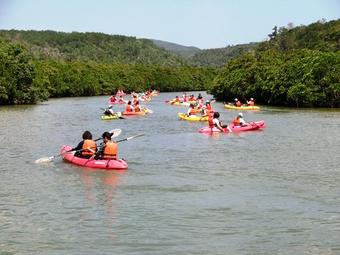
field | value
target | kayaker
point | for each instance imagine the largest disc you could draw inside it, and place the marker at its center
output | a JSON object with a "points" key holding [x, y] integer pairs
{"points": [[218, 124], [112, 99], [209, 107], [251, 102], [239, 121], [237, 102], [191, 110], [137, 107], [87, 147], [108, 111], [129, 107], [108, 149]]}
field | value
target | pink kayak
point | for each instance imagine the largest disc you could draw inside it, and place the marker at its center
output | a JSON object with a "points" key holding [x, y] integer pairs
{"points": [[107, 164], [252, 126]]}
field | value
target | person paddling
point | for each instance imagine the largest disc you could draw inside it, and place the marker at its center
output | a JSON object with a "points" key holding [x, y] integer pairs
{"points": [[129, 107], [108, 149], [251, 102], [87, 147], [218, 124], [239, 121], [237, 103]]}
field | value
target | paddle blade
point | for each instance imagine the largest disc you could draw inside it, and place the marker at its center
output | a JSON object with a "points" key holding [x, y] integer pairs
{"points": [[115, 132], [44, 160]]}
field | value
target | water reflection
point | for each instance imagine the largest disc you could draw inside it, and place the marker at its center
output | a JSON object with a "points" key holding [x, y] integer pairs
{"points": [[109, 181]]}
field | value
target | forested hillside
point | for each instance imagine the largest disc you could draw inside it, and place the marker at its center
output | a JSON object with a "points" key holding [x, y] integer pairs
{"points": [[37, 65], [220, 56], [297, 67], [97, 47]]}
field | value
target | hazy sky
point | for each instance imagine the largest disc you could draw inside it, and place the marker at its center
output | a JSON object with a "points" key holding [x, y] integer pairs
{"points": [[200, 23]]}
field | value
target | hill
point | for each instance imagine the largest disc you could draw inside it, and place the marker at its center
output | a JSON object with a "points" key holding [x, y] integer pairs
{"points": [[184, 51], [220, 56], [97, 47]]}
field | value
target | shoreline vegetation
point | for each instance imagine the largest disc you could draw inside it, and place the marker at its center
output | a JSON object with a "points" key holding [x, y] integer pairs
{"points": [[296, 67]]}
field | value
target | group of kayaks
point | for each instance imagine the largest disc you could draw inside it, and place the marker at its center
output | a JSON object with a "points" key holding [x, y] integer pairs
{"points": [[121, 164]]}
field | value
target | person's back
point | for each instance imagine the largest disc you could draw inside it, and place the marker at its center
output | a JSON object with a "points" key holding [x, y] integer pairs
{"points": [[109, 149], [251, 102], [87, 147], [129, 107]]}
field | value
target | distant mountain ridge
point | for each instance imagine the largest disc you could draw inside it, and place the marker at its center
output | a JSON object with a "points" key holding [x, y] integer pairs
{"points": [[217, 57], [185, 51]]}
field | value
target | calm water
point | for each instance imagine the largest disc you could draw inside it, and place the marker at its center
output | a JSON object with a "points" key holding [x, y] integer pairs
{"points": [[266, 192]]}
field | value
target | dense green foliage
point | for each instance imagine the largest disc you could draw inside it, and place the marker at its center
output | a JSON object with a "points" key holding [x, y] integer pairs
{"points": [[296, 67], [64, 79], [86, 64], [97, 47], [16, 76], [220, 56]]}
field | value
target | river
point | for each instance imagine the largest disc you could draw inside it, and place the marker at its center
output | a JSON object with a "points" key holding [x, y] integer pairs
{"points": [[274, 191]]}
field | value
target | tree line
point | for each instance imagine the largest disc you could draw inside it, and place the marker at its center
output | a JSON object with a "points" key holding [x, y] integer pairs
{"points": [[296, 67]]}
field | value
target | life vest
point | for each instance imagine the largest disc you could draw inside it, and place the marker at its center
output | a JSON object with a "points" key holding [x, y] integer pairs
{"points": [[237, 122], [210, 119], [251, 103], [209, 108], [129, 108], [110, 150], [238, 104], [88, 144], [138, 108], [192, 111]]}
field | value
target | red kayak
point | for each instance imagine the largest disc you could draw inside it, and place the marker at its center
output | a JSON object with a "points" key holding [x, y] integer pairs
{"points": [[107, 164], [252, 126]]}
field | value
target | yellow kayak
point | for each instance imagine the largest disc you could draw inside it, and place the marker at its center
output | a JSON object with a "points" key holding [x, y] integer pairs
{"points": [[183, 116], [243, 107]]}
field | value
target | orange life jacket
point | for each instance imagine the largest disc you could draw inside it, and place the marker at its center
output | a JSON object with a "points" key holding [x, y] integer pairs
{"points": [[237, 122], [238, 104], [210, 119], [110, 150], [192, 111], [128, 108], [88, 144], [251, 103], [138, 108]]}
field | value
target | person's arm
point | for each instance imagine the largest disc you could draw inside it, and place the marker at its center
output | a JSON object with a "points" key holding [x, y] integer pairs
{"points": [[79, 146]]}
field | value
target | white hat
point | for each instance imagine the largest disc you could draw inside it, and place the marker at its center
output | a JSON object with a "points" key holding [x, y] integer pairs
{"points": [[251, 98], [236, 99], [240, 114]]}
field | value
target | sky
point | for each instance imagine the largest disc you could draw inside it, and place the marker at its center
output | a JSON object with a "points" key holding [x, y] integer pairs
{"points": [[200, 23]]}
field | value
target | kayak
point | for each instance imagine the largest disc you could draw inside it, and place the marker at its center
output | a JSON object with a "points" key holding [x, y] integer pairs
{"points": [[109, 117], [252, 126], [107, 164], [179, 103], [183, 116], [143, 112], [243, 107]]}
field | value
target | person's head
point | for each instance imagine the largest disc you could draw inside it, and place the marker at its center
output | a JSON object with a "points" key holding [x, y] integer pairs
{"points": [[176, 96], [106, 136], [192, 106], [129, 103], [216, 115], [137, 102], [240, 114], [87, 135]]}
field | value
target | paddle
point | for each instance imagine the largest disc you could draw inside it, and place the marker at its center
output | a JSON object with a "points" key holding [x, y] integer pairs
{"points": [[116, 132], [129, 138]]}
